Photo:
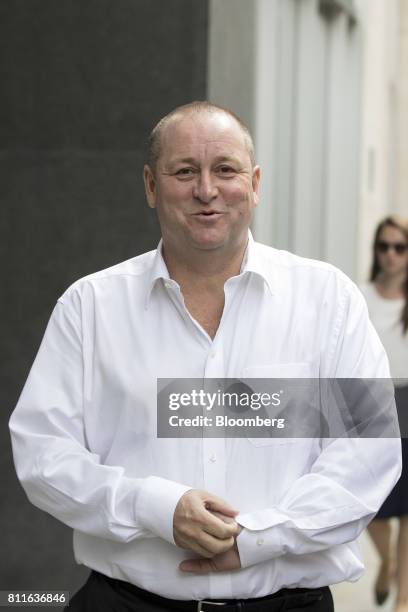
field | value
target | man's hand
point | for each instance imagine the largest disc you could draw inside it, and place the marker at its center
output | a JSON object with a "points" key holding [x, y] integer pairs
{"points": [[224, 562], [197, 525]]}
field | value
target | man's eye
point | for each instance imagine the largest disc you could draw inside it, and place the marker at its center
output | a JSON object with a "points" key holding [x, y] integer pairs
{"points": [[185, 171], [226, 170]]}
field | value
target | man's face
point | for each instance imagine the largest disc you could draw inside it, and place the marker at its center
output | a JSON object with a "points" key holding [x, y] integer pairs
{"points": [[204, 187]]}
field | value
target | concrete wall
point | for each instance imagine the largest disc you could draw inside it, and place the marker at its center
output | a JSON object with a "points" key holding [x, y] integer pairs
{"points": [[231, 55], [83, 82]]}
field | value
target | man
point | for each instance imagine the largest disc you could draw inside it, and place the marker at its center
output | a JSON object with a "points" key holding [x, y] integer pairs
{"points": [[259, 523]]}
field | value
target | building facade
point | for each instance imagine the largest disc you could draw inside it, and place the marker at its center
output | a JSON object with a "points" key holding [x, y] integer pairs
{"points": [[316, 81]]}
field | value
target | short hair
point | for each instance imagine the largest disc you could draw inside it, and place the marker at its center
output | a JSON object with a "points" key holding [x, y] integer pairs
{"points": [[198, 106]]}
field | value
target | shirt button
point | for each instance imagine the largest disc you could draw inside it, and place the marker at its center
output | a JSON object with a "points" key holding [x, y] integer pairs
{"points": [[167, 285], [259, 541], [213, 457], [212, 355]]}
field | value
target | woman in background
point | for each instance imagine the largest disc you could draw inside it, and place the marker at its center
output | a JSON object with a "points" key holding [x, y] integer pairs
{"points": [[387, 300]]}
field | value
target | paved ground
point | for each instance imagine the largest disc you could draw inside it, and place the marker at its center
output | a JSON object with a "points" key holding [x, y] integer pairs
{"points": [[358, 596]]}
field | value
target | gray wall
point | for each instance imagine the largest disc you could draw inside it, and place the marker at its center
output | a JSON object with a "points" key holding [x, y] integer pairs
{"points": [[82, 83], [300, 74]]}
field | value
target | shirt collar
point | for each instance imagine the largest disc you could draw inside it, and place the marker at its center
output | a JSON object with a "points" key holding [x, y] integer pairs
{"points": [[252, 262], [158, 271]]}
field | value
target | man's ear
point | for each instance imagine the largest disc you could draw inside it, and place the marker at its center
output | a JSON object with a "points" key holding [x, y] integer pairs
{"points": [[150, 186], [256, 177]]}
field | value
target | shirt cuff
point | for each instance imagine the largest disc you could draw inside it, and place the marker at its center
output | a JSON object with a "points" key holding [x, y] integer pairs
{"points": [[256, 546], [156, 504]]}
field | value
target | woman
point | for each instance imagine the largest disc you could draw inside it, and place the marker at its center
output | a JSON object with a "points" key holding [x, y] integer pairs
{"points": [[387, 299]]}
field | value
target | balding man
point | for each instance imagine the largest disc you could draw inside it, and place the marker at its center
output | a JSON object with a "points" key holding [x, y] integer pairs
{"points": [[255, 523]]}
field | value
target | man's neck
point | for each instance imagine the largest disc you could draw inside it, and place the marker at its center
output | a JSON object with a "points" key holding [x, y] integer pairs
{"points": [[202, 277], [206, 270]]}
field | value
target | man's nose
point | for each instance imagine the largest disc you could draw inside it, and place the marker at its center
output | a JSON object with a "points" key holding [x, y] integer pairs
{"points": [[205, 188]]}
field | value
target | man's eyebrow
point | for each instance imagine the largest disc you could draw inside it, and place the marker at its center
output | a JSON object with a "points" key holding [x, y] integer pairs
{"points": [[226, 158], [175, 161], [183, 160], [191, 160]]}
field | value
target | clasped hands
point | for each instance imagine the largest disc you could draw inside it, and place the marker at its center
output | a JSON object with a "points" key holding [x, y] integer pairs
{"points": [[205, 524]]}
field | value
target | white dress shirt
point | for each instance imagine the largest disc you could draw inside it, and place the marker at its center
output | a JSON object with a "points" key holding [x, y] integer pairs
{"points": [[84, 430]]}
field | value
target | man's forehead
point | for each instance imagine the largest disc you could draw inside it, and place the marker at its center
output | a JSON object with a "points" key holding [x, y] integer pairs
{"points": [[211, 125], [217, 131]]}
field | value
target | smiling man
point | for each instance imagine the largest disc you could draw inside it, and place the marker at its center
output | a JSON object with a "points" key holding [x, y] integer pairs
{"points": [[204, 185], [194, 523]]}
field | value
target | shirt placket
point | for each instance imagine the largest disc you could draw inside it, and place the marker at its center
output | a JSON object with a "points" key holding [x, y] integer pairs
{"points": [[214, 457], [213, 449]]}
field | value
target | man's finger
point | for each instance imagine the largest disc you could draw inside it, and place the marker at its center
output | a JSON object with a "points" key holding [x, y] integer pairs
{"points": [[227, 519], [225, 562], [196, 566], [214, 545], [218, 528], [201, 550], [216, 504]]}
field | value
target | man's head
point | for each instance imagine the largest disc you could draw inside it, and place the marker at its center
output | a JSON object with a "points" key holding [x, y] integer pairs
{"points": [[201, 178], [197, 107]]}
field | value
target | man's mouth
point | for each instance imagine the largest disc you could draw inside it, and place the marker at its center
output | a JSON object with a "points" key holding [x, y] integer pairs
{"points": [[208, 213]]}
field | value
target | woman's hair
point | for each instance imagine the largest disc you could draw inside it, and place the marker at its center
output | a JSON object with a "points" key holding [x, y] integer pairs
{"points": [[402, 225]]}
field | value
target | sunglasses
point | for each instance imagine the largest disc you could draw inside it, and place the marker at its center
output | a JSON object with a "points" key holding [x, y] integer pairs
{"points": [[399, 247]]}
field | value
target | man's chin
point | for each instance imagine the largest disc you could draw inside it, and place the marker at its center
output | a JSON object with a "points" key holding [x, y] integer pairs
{"points": [[217, 243], [207, 247], [208, 243]]}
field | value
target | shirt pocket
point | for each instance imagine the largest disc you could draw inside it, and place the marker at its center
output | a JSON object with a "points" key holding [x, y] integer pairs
{"points": [[301, 369]]}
